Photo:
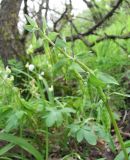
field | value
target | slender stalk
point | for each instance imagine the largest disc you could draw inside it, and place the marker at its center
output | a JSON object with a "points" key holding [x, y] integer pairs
{"points": [[21, 135], [47, 143], [120, 139]]}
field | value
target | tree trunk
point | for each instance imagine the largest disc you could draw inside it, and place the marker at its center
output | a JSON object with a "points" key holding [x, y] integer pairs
{"points": [[10, 44]]}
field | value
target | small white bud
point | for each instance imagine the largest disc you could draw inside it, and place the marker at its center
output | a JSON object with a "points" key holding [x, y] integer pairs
{"points": [[30, 49], [27, 65], [51, 89], [42, 73], [40, 77], [31, 67]]}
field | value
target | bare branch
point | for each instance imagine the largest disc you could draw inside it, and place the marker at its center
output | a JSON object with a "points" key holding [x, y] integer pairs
{"points": [[94, 28], [47, 8], [58, 20], [112, 37], [86, 42], [39, 14]]}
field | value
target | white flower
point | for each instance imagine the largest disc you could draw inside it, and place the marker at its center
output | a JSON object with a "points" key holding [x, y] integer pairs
{"points": [[30, 67], [51, 89], [8, 70], [42, 73]]}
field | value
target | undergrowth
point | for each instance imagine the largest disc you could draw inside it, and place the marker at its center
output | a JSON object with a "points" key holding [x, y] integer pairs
{"points": [[57, 99]]}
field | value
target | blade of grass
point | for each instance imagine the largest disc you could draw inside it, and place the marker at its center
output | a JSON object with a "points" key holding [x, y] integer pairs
{"points": [[6, 149], [22, 143]]}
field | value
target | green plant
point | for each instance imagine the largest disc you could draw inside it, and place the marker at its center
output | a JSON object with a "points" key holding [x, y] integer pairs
{"points": [[94, 80]]}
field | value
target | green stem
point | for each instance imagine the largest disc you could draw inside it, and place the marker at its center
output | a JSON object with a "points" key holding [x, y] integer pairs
{"points": [[21, 135], [47, 143], [120, 139]]}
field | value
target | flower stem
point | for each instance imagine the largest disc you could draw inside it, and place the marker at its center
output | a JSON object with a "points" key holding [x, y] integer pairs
{"points": [[47, 143], [120, 139]]}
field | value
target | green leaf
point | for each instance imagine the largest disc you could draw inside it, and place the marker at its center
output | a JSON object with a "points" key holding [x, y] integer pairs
{"points": [[30, 28], [80, 135], [51, 119], [59, 65], [127, 143], [90, 137], [101, 132], [52, 36], [105, 118], [31, 21], [120, 156], [22, 143], [95, 81], [60, 43], [106, 78], [34, 39], [39, 42], [120, 94], [76, 67], [54, 116], [14, 120], [68, 110], [74, 128], [5, 158], [6, 148]]}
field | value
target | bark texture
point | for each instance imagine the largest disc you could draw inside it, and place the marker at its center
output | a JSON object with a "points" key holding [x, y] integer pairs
{"points": [[10, 44]]}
